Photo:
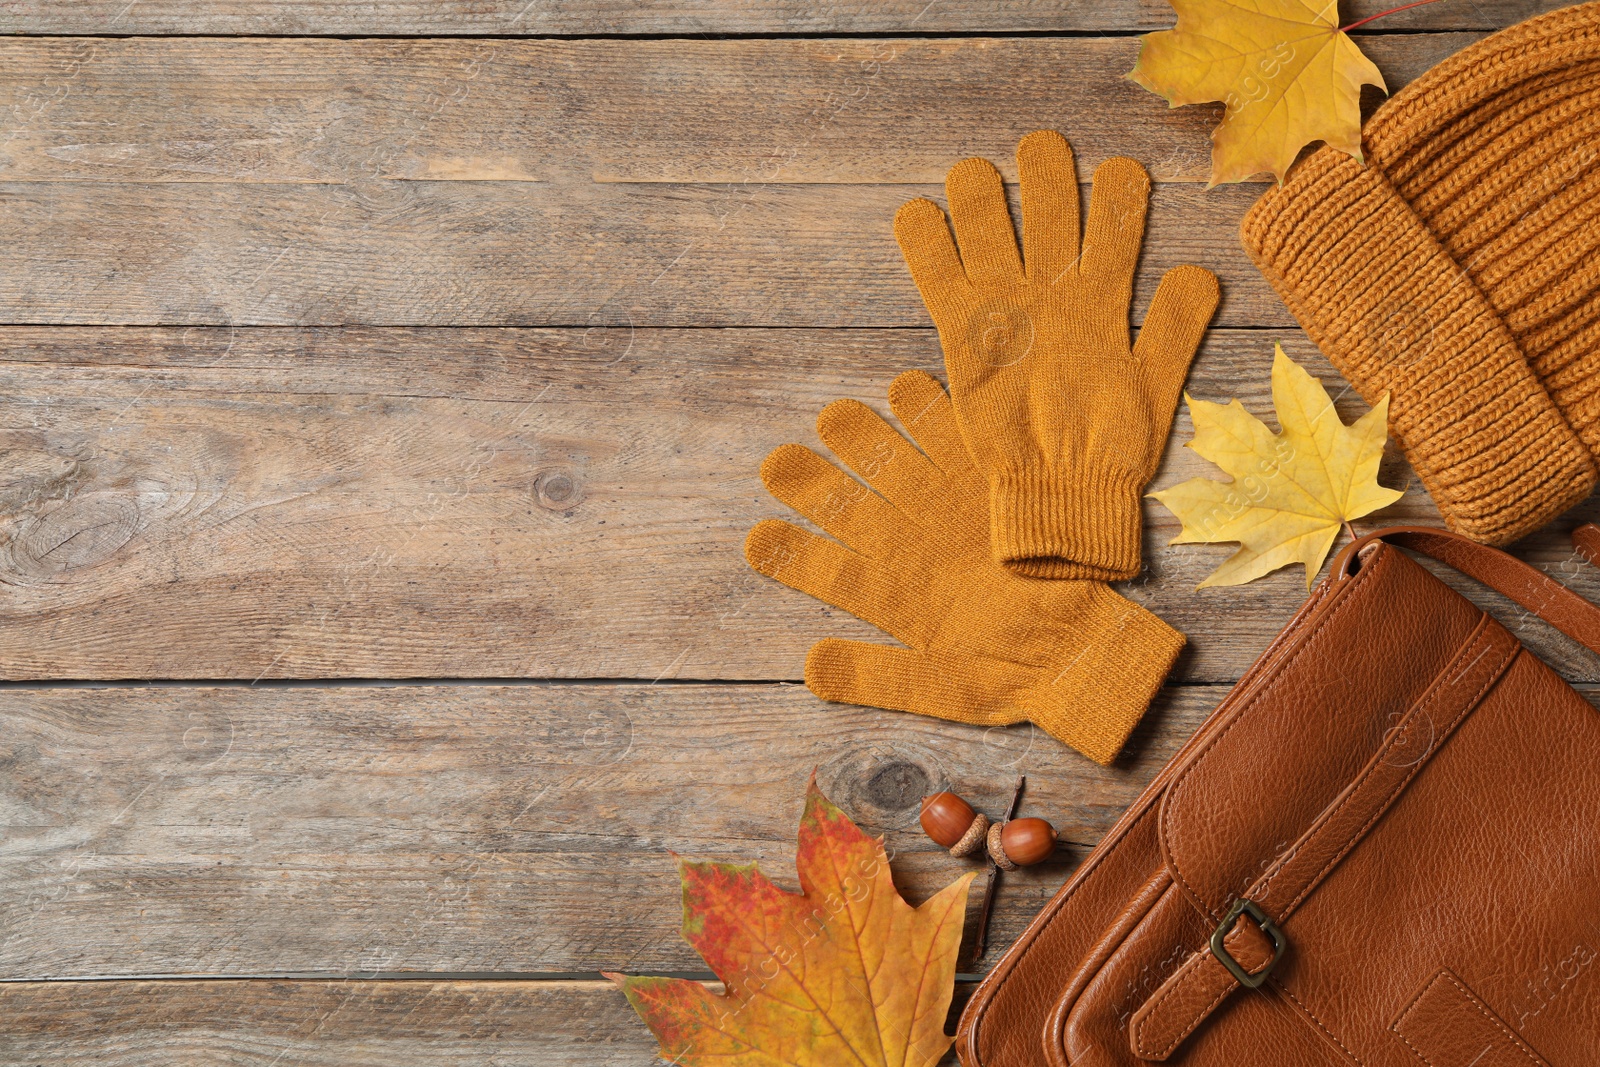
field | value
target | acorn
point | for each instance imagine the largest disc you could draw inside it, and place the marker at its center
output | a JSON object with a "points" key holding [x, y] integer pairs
{"points": [[951, 822], [1021, 843]]}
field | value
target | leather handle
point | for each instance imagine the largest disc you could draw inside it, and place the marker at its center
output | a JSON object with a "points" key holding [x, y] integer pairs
{"points": [[1533, 589]]}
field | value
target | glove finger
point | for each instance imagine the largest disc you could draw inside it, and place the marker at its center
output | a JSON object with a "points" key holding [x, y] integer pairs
{"points": [[842, 506], [835, 575], [882, 457], [1117, 207], [983, 224], [1177, 320], [930, 254], [880, 676], [1049, 206], [924, 409]]}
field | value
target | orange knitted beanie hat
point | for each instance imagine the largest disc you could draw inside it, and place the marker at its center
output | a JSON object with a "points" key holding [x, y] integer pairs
{"points": [[1459, 270]]}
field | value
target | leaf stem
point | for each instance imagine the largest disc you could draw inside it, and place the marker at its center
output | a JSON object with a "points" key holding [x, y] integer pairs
{"points": [[1381, 14]]}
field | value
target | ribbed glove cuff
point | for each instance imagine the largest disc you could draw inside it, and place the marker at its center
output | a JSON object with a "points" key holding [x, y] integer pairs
{"points": [[1059, 524], [1096, 700]]}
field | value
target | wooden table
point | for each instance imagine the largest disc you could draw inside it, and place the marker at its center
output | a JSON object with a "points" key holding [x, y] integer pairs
{"points": [[382, 388]]}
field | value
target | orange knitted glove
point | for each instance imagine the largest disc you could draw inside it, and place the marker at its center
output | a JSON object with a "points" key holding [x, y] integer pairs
{"points": [[1065, 420], [987, 646]]}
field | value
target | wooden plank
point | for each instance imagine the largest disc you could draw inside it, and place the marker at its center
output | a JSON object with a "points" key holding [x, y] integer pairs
{"points": [[488, 503], [759, 246], [242, 831], [512, 17], [307, 1023], [310, 1023], [518, 254], [518, 829], [744, 112]]}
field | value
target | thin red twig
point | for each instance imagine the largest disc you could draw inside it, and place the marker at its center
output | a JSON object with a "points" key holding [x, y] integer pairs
{"points": [[1379, 15]]}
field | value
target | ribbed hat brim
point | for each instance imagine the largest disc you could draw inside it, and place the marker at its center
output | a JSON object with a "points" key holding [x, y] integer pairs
{"points": [[1375, 284]]}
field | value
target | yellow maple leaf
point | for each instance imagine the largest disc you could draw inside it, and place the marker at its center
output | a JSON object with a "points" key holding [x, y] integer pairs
{"points": [[1291, 491], [843, 972], [1286, 71]]}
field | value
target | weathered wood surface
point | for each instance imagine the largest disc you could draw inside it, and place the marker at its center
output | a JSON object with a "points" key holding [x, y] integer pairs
{"points": [[518, 829], [483, 503], [307, 1023], [311, 1023], [212, 500], [740, 112], [518, 254], [514, 17], [467, 829], [708, 213]]}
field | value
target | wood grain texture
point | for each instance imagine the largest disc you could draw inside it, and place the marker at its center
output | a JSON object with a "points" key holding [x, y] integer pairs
{"points": [[475, 828], [518, 254], [217, 500], [308, 1023], [739, 112], [311, 1023], [188, 182], [512, 17], [252, 504]]}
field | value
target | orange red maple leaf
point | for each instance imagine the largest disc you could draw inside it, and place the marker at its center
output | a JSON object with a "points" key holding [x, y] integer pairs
{"points": [[843, 972]]}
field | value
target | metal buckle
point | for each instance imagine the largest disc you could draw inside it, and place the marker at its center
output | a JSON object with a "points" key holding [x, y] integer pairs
{"points": [[1280, 944]]}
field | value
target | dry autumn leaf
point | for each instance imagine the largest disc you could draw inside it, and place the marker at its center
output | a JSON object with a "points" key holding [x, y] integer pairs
{"points": [[1287, 72], [1291, 491], [844, 972]]}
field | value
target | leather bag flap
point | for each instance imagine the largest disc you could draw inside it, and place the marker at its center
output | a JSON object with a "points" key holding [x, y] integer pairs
{"points": [[1299, 738], [1355, 715]]}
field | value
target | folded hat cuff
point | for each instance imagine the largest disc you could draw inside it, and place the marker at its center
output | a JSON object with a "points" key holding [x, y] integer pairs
{"points": [[1396, 314]]}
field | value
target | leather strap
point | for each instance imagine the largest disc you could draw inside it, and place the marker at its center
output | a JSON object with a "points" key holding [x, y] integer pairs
{"points": [[1202, 983], [1447, 1023]]}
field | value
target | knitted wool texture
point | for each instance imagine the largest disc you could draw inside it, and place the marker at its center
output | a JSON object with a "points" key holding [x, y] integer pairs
{"points": [[986, 645], [1066, 420], [1458, 270]]}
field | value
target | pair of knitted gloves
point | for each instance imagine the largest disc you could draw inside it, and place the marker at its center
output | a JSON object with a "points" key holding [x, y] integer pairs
{"points": [[986, 546]]}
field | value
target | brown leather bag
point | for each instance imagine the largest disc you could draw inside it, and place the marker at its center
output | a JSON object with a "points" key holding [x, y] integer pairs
{"points": [[1382, 849]]}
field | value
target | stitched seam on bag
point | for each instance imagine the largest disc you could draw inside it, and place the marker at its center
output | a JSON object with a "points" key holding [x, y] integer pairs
{"points": [[1277, 680], [1394, 1027], [1026, 943], [1487, 639], [1419, 1053], [1286, 991], [1412, 1006], [1180, 979], [1401, 786], [1472, 998]]}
